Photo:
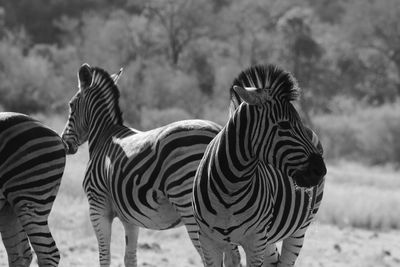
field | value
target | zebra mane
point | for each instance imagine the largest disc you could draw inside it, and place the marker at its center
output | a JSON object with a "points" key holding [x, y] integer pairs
{"points": [[103, 79], [282, 84]]}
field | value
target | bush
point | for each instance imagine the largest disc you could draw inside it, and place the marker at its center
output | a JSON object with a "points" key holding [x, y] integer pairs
{"points": [[216, 114], [64, 68], [153, 118], [363, 133], [165, 87], [29, 83], [132, 92]]}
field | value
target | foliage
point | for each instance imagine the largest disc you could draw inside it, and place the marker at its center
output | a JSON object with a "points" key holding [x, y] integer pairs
{"points": [[180, 57], [362, 133], [29, 83], [156, 118], [180, 22]]}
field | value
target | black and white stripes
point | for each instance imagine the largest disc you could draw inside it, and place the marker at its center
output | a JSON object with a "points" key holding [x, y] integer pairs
{"points": [[261, 177], [143, 178], [32, 161]]}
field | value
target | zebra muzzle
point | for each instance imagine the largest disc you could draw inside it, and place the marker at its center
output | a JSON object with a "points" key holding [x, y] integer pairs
{"points": [[70, 147], [313, 174]]}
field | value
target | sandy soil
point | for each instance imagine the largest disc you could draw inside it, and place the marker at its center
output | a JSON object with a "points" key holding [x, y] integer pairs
{"points": [[325, 245]]}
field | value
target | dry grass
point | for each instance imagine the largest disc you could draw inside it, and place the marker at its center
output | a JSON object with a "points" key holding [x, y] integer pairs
{"points": [[359, 196]]}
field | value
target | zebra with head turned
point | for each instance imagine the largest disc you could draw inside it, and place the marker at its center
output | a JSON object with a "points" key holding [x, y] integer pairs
{"points": [[143, 178], [32, 161], [261, 178]]}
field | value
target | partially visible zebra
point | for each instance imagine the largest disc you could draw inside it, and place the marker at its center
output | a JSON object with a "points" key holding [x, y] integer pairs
{"points": [[32, 161], [261, 178], [143, 178]]}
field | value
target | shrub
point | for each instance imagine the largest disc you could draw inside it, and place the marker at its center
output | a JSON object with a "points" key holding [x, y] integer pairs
{"points": [[363, 133], [216, 114], [153, 118], [165, 87], [29, 83]]}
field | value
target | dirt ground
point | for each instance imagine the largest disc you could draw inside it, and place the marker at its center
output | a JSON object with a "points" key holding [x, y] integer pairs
{"points": [[325, 245]]}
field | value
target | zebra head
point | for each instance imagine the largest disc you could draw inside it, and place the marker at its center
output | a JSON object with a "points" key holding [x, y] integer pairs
{"points": [[92, 97], [277, 134]]}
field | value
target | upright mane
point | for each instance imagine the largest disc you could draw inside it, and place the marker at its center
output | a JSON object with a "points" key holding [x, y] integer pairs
{"points": [[282, 84], [102, 79]]}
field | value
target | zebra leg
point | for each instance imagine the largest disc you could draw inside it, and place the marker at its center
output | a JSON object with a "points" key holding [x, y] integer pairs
{"points": [[35, 224], [232, 256], [231, 253], [291, 247], [193, 231], [14, 238], [102, 227], [271, 257], [212, 251], [131, 239], [254, 246]]}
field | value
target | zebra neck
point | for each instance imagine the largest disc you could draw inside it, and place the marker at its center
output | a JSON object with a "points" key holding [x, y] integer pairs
{"points": [[232, 163], [101, 129]]}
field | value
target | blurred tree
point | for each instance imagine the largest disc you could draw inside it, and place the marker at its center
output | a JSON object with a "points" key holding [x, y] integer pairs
{"points": [[107, 41], [181, 21], [168, 87], [37, 16], [29, 83], [303, 55], [328, 10], [65, 63], [220, 4], [374, 30], [365, 77], [248, 26], [133, 93], [197, 61]]}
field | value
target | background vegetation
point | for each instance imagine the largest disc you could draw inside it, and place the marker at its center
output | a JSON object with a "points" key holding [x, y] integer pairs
{"points": [[180, 56]]}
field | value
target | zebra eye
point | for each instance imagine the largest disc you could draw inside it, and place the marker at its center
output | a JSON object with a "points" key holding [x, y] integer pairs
{"points": [[284, 125], [72, 105]]}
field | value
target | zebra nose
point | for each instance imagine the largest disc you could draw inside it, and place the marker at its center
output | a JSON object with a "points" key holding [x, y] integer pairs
{"points": [[313, 174], [70, 147], [316, 166], [66, 146]]}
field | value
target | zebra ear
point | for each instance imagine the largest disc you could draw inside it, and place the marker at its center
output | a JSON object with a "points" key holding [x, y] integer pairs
{"points": [[84, 76], [235, 102], [117, 75], [251, 95]]}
